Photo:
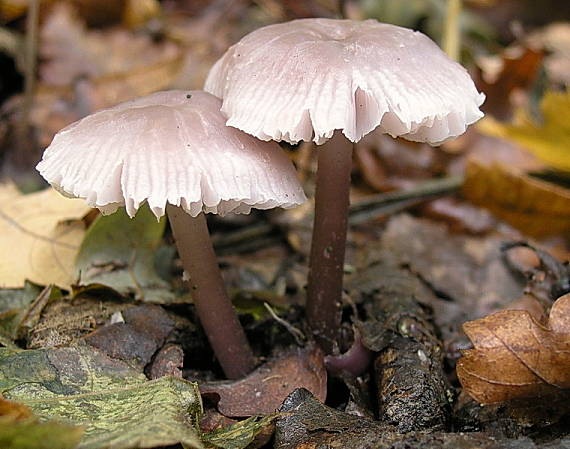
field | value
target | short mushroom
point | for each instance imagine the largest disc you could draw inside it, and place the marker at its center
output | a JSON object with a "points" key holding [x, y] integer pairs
{"points": [[313, 79], [172, 150]]}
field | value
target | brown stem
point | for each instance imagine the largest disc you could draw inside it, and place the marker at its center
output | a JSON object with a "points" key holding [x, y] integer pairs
{"points": [[214, 308], [329, 240]]}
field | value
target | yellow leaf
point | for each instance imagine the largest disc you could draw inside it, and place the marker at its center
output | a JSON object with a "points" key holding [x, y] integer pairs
{"points": [[535, 207], [549, 141], [138, 12], [40, 234]]}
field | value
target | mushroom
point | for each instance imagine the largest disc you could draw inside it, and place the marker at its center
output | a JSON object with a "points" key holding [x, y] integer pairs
{"points": [[321, 79], [173, 150]]}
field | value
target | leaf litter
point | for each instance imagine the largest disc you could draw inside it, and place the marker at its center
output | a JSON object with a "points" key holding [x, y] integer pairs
{"points": [[407, 297]]}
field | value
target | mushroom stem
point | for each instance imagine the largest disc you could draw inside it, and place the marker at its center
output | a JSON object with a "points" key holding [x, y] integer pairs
{"points": [[214, 308], [328, 243]]}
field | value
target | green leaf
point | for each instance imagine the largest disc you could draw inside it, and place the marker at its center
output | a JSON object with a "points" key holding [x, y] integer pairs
{"points": [[119, 252], [118, 407], [14, 306], [239, 435]]}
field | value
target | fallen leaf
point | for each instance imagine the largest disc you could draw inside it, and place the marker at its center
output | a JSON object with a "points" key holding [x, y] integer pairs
{"points": [[263, 391], [69, 51], [34, 434], [305, 423], [517, 69], [65, 320], [460, 216], [466, 274], [48, 230], [13, 411], [138, 12], [118, 252], [13, 306], [12, 9], [118, 407], [387, 164], [555, 39], [515, 357], [535, 207], [168, 361], [548, 278], [137, 339], [239, 435], [549, 140], [20, 429]]}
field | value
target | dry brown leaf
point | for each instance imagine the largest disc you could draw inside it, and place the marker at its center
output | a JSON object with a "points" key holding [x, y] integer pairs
{"points": [[517, 69], [515, 357], [263, 391], [555, 38], [70, 51], [535, 207], [40, 235], [13, 411]]}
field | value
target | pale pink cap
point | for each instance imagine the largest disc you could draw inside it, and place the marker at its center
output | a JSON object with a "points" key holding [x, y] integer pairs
{"points": [[304, 79], [169, 147]]}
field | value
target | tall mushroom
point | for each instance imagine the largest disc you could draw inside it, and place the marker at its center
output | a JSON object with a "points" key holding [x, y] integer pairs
{"points": [[173, 150], [321, 79]]}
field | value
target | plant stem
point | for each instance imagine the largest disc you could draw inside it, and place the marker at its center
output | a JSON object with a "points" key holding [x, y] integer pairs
{"points": [[452, 30], [214, 308], [31, 54], [326, 262]]}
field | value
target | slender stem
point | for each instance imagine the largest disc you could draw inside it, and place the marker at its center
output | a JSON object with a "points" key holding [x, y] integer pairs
{"points": [[214, 308], [31, 51], [452, 29], [329, 240]]}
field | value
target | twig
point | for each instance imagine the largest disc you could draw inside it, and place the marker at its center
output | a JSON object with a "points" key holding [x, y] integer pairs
{"points": [[297, 334], [392, 202], [371, 207]]}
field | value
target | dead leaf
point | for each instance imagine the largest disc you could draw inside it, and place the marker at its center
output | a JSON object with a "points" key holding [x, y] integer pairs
{"points": [[69, 51], [386, 163], [555, 38], [40, 234], [21, 429], [168, 361], [138, 12], [550, 140], [307, 424], [251, 433], [516, 69], [14, 411], [533, 206], [12, 9], [516, 357], [119, 408], [67, 319], [548, 277], [263, 391], [468, 272], [460, 215], [135, 340]]}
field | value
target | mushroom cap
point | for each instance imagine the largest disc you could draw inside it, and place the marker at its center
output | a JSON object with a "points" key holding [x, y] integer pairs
{"points": [[304, 79], [170, 147]]}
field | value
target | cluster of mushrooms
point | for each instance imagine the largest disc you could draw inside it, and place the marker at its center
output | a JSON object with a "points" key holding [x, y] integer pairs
{"points": [[191, 153]]}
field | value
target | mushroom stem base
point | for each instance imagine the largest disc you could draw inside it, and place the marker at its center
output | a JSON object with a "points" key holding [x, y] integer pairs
{"points": [[328, 243], [214, 308]]}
